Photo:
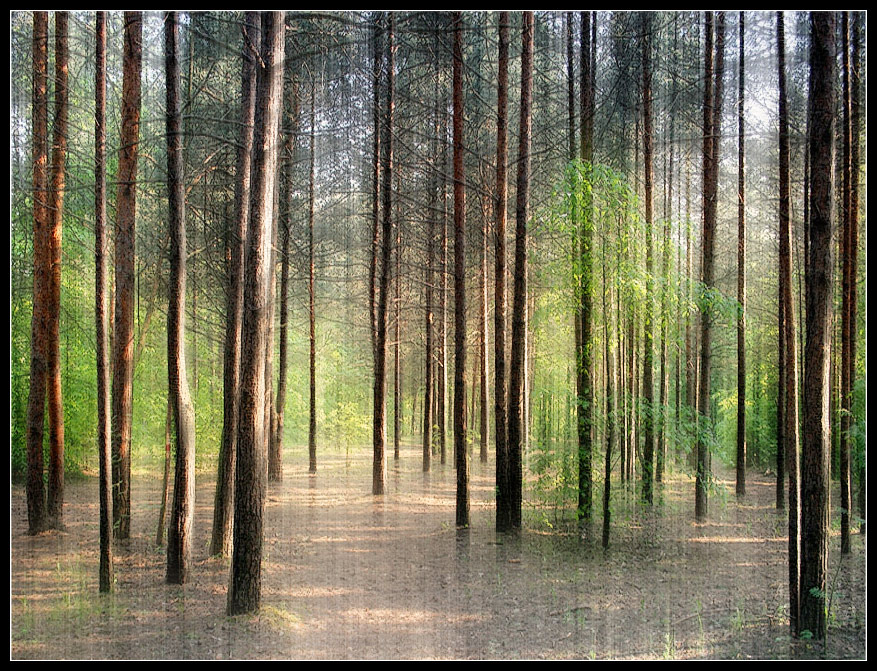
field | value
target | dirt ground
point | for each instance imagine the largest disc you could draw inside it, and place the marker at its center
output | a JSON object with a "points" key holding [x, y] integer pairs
{"points": [[346, 576]]}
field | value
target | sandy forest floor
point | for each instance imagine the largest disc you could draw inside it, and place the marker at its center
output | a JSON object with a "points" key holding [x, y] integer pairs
{"points": [[346, 576]]}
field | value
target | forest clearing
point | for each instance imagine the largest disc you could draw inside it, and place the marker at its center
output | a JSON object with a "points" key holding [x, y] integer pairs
{"points": [[438, 334], [349, 577]]}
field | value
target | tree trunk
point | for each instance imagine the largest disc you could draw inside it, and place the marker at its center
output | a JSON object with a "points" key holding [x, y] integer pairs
{"points": [[100, 307], [123, 329], [36, 403], [648, 345], [179, 542], [503, 508], [741, 279], [55, 482], [461, 456], [815, 445], [787, 413], [712, 109], [275, 456], [847, 371], [855, 114], [380, 373], [223, 507], [244, 594], [165, 481], [312, 331], [517, 397]]}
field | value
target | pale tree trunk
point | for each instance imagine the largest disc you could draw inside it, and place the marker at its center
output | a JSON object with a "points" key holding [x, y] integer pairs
{"points": [[787, 411]]}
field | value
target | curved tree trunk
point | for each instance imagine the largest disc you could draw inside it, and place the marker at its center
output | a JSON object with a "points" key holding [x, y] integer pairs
{"points": [[179, 542]]}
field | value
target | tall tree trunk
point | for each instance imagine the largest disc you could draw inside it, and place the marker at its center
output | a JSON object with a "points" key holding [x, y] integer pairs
{"points": [[516, 425], [100, 306], [275, 456], [610, 400], [36, 402], [312, 331], [244, 594], [847, 372], [787, 412], [503, 508], [461, 456], [585, 358], [815, 445], [741, 277], [428, 347], [855, 114], [55, 482], [123, 329], [483, 335], [377, 67], [223, 507], [380, 373], [648, 351], [179, 542], [397, 362], [712, 109]]}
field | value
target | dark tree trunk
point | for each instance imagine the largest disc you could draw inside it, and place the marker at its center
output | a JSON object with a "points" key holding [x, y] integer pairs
{"points": [[380, 373], [55, 481], [100, 306], [517, 374], [179, 542], [712, 109], [377, 66], [223, 507], [815, 445], [461, 456], [648, 350], [847, 372], [123, 330], [503, 508], [244, 594], [741, 278], [36, 402]]}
